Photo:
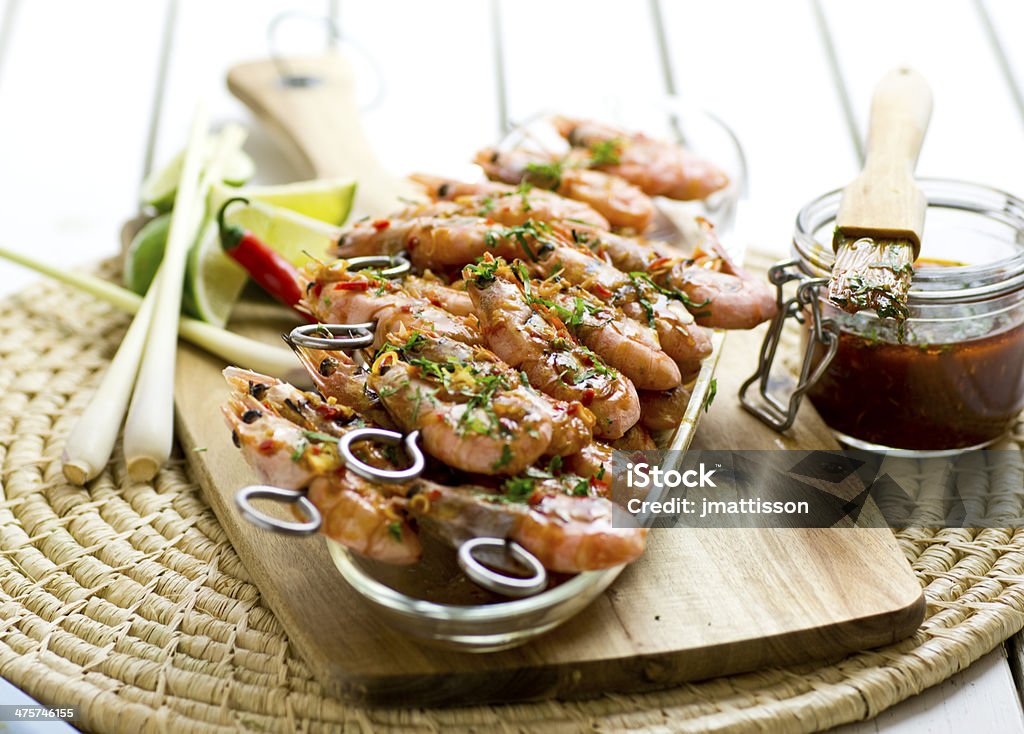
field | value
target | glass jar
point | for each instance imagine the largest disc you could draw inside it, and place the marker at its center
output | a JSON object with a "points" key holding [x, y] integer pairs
{"points": [[951, 377]]}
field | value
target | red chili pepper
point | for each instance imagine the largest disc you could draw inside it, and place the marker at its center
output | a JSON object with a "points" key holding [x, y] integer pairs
{"points": [[601, 291], [381, 224], [270, 270], [266, 446], [352, 285]]}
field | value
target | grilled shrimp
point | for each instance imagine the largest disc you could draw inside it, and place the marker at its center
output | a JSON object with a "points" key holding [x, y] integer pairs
{"points": [[594, 460], [307, 410], [563, 520], [511, 205], [338, 296], [337, 376], [635, 439], [621, 203], [552, 360], [659, 168], [468, 419], [439, 242], [355, 514], [572, 423], [567, 534], [624, 343], [664, 409], [719, 293], [551, 250], [359, 517], [685, 342], [429, 287]]}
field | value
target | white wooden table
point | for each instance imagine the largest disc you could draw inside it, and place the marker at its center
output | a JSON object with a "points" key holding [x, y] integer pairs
{"points": [[93, 94]]}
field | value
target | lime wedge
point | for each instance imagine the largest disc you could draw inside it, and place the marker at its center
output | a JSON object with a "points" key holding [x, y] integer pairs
{"points": [[329, 200], [160, 186], [145, 253], [295, 236], [213, 281]]}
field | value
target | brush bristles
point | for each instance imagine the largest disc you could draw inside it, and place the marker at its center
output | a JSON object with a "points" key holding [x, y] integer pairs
{"points": [[872, 275]]}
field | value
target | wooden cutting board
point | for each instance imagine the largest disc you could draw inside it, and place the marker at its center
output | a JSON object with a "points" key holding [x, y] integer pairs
{"points": [[700, 603]]}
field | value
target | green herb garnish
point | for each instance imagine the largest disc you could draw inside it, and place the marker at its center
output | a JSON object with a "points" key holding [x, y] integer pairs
{"points": [[605, 152], [504, 459]]}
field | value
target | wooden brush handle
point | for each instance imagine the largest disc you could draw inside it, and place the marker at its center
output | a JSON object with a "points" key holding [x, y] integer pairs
{"points": [[318, 122], [884, 202]]}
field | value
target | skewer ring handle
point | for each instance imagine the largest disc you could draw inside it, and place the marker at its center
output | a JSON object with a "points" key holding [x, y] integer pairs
{"points": [[309, 526], [333, 337], [499, 583], [389, 438], [391, 266]]}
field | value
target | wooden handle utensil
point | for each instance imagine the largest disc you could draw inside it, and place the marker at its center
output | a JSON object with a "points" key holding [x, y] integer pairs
{"points": [[881, 216], [314, 112], [884, 202]]}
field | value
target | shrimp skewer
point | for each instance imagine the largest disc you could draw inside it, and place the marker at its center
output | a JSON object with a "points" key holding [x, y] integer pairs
{"points": [[549, 356], [550, 250], [566, 531], [657, 167], [495, 430], [285, 455], [571, 422], [621, 203], [337, 295]]}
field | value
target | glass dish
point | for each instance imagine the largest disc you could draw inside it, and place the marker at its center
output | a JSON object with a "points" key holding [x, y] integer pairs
{"points": [[668, 118], [952, 378], [432, 601]]}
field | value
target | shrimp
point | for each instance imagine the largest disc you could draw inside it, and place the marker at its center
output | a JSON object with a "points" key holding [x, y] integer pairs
{"points": [[428, 286], [359, 517], [551, 250], [657, 167], [572, 424], [680, 337], [338, 377], [468, 419], [594, 460], [621, 203], [567, 534], [664, 410], [562, 518], [719, 293], [440, 242], [285, 454], [512, 205], [552, 360], [338, 296], [625, 344], [635, 439]]}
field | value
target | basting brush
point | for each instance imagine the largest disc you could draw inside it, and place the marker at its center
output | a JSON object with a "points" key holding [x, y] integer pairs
{"points": [[881, 216]]}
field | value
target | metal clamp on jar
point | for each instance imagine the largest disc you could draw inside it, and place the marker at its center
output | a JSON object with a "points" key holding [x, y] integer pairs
{"points": [[947, 379]]}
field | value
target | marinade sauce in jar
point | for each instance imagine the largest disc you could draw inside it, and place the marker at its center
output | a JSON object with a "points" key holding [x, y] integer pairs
{"points": [[951, 377]]}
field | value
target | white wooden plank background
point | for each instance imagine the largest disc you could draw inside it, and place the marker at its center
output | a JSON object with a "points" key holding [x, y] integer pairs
{"points": [[79, 82]]}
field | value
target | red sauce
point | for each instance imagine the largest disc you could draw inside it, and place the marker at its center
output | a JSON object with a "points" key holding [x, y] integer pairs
{"points": [[934, 397]]}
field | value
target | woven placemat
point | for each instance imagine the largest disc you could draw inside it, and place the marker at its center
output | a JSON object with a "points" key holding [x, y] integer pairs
{"points": [[127, 601]]}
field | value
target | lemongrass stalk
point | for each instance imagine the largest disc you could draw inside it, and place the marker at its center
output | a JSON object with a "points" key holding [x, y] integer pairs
{"points": [[229, 346], [149, 428], [91, 441]]}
